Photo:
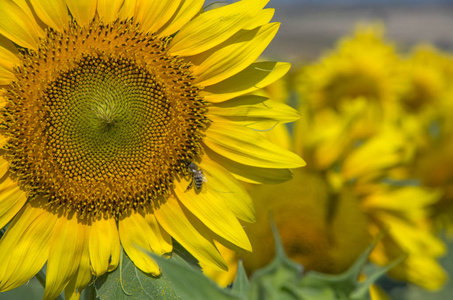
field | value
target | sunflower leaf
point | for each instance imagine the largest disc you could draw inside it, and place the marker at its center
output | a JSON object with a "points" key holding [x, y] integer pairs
{"points": [[128, 282], [191, 283]]}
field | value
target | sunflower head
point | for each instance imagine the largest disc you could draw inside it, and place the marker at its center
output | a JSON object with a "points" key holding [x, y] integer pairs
{"points": [[96, 130]]}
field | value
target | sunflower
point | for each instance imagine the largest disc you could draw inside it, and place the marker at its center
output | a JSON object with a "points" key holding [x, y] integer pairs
{"points": [[361, 65], [126, 124], [327, 218]]}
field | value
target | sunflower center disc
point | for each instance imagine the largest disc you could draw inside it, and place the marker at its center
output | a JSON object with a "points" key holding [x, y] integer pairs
{"points": [[101, 124]]}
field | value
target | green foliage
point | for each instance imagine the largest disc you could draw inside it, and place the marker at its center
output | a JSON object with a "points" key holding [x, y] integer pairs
{"points": [[282, 279]]}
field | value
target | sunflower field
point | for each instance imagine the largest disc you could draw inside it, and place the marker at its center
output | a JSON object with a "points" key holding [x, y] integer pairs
{"points": [[168, 150]]}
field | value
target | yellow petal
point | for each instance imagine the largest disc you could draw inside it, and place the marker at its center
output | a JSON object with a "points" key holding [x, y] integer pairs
{"points": [[12, 199], [136, 236], [422, 270], [254, 77], [185, 12], [254, 108], [377, 293], [108, 10], [66, 249], [82, 10], [189, 232], [81, 278], [127, 10], [25, 246], [250, 174], [6, 76], [152, 15], [264, 17], [232, 56], [411, 238], [402, 199], [52, 12], [213, 27], [247, 147], [4, 166], [210, 208], [9, 56], [104, 245], [233, 193], [162, 243], [16, 25]]}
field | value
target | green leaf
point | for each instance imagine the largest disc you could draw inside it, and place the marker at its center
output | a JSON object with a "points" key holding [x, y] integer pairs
{"points": [[241, 284], [128, 282], [362, 290], [192, 283]]}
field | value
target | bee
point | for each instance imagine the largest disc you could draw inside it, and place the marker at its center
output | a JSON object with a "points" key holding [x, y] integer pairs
{"points": [[197, 177]]}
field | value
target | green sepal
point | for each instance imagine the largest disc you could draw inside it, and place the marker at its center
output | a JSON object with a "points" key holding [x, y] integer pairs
{"points": [[241, 284], [278, 279]]}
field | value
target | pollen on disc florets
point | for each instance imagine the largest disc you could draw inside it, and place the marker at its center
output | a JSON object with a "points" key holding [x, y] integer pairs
{"points": [[101, 119]]}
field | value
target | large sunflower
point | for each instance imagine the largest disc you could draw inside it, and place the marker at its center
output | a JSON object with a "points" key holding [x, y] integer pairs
{"points": [[126, 123]]}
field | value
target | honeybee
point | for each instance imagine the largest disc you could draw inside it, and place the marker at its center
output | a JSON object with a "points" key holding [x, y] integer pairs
{"points": [[197, 177]]}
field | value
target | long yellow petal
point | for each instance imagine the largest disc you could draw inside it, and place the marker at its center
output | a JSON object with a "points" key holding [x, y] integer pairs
{"points": [[6, 76], [25, 246], [52, 12], [231, 191], [65, 254], [104, 245], [189, 232], [152, 15], [402, 199], [83, 11], [108, 10], [162, 243], [4, 165], [16, 25], [9, 56], [211, 209], [185, 12], [135, 235], [81, 278], [248, 147], [411, 238], [232, 56], [250, 174], [12, 199], [251, 108], [264, 17], [254, 77], [213, 27], [127, 10]]}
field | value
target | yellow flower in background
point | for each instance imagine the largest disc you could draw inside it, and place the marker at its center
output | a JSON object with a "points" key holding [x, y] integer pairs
{"points": [[425, 79], [426, 100], [362, 65], [326, 218], [346, 95], [126, 123]]}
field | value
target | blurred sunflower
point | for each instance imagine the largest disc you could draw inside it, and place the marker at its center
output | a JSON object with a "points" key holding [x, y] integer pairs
{"points": [[126, 123], [346, 95], [326, 218], [362, 65], [426, 101]]}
